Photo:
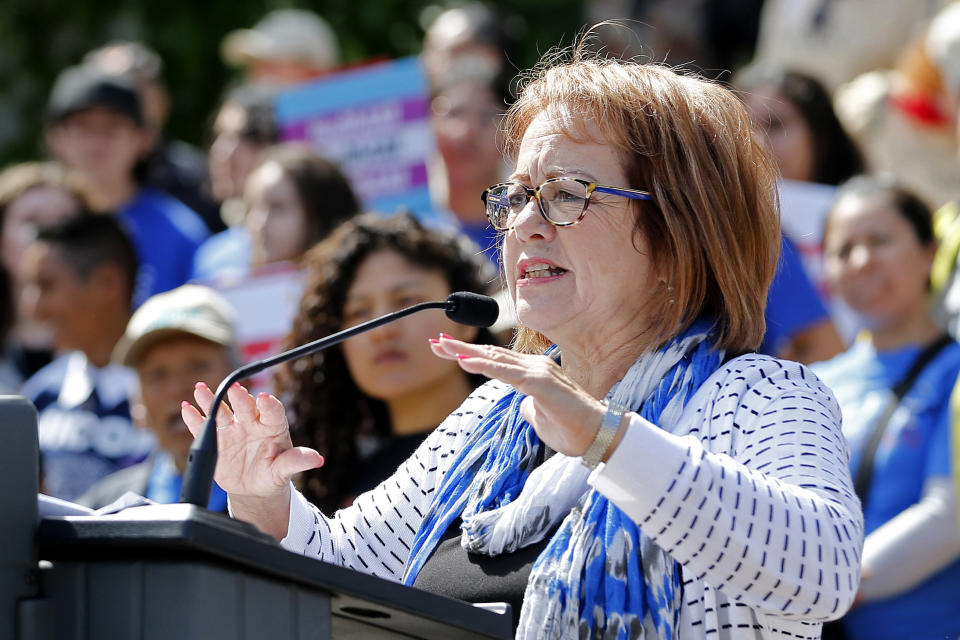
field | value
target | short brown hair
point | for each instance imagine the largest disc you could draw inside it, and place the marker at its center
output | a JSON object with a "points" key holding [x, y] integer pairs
{"points": [[713, 225]]}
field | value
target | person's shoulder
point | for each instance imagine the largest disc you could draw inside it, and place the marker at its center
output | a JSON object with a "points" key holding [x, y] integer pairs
{"points": [[224, 255], [151, 197], [758, 395], [951, 351], [48, 379], [114, 384], [186, 221], [946, 364], [760, 377], [753, 387]]}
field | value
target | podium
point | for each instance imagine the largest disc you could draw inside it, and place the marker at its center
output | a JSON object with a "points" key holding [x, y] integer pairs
{"points": [[178, 572]]}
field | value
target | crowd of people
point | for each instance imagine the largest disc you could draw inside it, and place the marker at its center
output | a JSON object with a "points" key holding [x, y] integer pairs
{"points": [[689, 421]]}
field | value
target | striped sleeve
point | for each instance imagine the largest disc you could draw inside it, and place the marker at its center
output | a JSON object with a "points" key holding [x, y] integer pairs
{"points": [[374, 535], [756, 500]]}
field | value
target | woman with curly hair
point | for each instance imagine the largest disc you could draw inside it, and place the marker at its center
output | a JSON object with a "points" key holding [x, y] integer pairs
{"points": [[382, 390]]}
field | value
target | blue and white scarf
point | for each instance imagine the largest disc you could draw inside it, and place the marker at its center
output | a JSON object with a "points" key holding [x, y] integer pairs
{"points": [[599, 576]]}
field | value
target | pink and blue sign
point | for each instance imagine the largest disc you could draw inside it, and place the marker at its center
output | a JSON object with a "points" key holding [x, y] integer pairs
{"points": [[374, 121]]}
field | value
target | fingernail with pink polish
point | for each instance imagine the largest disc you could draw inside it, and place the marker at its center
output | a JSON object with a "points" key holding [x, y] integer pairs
{"points": [[184, 404], [463, 356], [433, 341], [447, 336]]}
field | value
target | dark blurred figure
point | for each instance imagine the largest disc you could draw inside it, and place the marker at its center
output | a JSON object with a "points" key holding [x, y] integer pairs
{"points": [[469, 38], [711, 37], [243, 128], [371, 401], [95, 126], [172, 166], [10, 377], [79, 279], [32, 195], [467, 57], [173, 340], [796, 114], [286, 47], [466, 110]]}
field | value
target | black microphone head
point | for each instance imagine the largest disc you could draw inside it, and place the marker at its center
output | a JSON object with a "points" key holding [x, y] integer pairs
{"points": [[472, 309]]}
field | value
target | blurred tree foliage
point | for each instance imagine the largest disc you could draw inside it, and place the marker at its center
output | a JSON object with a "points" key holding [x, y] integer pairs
{"points": [[39, 38]]}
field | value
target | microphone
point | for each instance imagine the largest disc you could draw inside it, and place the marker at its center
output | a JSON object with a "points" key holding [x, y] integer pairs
{"points": [[462, 307]]}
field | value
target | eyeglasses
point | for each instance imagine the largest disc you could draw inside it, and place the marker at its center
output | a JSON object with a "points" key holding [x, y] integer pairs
{"points": [[562, 201]]}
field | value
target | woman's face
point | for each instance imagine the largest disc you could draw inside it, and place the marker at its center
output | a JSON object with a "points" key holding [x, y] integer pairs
{"points": [[790, 139], [395, 359], [275, 216], [591, 281], [873, 258]]}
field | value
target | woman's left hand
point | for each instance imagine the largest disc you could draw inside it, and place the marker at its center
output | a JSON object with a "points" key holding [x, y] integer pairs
{"points": [[562, 413]]}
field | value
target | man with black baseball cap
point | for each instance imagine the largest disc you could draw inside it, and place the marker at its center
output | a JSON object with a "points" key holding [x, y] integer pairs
{"points": [[95, 125], [172, 166]]}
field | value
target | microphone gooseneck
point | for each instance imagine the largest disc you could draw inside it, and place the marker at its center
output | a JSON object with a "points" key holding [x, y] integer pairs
{"points": [[462, 307]]}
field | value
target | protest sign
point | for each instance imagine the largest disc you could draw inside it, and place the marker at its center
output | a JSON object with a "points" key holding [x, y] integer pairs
{"points": [[374, 121]]}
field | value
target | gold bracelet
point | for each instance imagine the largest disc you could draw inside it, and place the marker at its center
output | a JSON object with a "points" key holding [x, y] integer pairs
{"points": [[605, 435]]}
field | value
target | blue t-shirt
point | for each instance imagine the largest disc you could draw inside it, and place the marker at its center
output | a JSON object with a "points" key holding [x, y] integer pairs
{"points": [[166, 234], [83, 418], [793, 303], [915, 447]]}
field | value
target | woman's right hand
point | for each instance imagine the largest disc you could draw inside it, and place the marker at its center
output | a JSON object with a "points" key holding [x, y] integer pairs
{"points": [[255, 456]]}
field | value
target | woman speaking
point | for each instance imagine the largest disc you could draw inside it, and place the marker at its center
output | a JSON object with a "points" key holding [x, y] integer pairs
{"points": [[631, 470]]}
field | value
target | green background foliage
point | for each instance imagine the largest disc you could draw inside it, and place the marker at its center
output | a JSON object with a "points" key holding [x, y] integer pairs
{"points": [[39, 38]]}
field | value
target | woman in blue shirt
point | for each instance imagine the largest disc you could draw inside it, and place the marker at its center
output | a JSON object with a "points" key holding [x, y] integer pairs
{"points": [[878, 247]]}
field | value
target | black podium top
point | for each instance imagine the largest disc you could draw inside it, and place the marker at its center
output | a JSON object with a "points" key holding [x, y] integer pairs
{"points": [[187, 532]]}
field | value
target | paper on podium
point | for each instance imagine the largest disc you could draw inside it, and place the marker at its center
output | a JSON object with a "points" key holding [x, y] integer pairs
{"points": [[50, 506]]}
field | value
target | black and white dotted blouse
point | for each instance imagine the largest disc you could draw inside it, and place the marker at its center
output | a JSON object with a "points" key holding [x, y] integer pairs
{"points": [[755, 502]]}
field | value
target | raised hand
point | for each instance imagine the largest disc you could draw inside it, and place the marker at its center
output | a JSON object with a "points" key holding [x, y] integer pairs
{"points": [[563, 414], [256, 457]]}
